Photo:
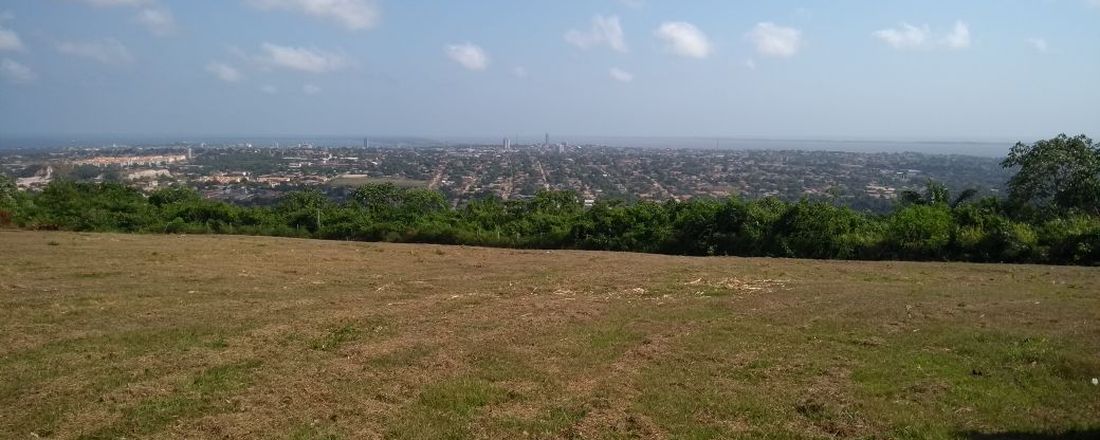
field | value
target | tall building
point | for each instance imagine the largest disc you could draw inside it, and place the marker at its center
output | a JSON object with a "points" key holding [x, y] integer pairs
{"points": [[507, 144], [547, 139]]}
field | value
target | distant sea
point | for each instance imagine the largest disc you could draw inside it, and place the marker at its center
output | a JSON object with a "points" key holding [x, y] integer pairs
{"points": [[970, 148]]}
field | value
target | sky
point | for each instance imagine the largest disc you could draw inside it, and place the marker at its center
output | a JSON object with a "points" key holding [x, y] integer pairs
{"points": [[905, 69]]}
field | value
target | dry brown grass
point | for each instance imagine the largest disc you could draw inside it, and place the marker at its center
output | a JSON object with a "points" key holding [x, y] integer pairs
{"points": [[110, 336]]}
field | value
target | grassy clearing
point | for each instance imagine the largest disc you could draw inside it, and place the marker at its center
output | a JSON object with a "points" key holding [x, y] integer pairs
{"points": [[115, 336], [202, 395]]}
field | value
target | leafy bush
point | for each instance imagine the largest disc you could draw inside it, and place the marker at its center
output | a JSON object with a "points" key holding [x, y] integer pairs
{"points": [[920, 231], [924, 228]]}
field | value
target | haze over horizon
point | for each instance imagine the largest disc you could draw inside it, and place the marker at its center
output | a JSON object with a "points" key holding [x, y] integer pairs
{"points": [[913, 70]]}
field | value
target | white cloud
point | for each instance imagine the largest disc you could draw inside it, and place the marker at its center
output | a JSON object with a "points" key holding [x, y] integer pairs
{"points": [[224, 72], [351, 14], [158, 21], [301, 59], [776, 41], [1092, 3], [908, 36], [156, 18], [469, 55], [15, 72], [520, 72], [108, 51], [1039, 44], [620, 75], [269, 89], [684, 39], [750, 63], [959, 38], [905, 37], [605, 31], [311, 89], [9, 40]]}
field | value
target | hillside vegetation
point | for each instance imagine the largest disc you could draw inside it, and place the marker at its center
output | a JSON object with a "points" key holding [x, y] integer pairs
{"points": [[106, 336], [1052, 216]]}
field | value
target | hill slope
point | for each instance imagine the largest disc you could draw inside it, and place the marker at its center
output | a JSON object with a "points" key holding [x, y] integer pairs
{"points": [[105, 336]]}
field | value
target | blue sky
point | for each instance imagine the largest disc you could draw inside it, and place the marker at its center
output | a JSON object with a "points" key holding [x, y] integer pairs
{"points": [[920, 69]]}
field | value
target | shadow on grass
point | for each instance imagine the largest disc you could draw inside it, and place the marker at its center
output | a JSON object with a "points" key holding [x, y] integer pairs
{"points": [[1088, 434]]}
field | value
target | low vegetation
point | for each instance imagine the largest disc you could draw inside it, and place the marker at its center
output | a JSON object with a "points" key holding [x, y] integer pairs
{"points": [[106, 336], [1052, 216]]}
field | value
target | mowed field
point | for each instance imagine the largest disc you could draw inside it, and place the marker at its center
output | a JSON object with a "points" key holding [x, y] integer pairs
{"points": [[108, 336]]}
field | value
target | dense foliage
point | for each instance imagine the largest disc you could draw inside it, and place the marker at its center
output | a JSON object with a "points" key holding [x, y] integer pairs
{"points": [[1051, 217], [1060, 174]]}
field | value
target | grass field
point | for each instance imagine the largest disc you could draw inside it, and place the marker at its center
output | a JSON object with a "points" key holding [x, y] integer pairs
{"points": [[125, 336]]}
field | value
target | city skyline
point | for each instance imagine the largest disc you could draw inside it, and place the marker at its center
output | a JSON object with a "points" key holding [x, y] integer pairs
{"points": [[785, 69]]}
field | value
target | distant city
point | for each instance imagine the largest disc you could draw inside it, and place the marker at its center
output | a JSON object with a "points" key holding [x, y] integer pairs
{"points": [[973, 147], [258, 174]]}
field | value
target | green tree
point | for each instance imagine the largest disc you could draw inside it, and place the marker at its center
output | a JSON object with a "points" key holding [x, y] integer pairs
{"points": [[377, 197], [1074, 240], [620, 226], [305, 209], [175, 194], [92, 207], [1062, 174], [920, 231], [759, 229], [415, 203], [936, 193], [10, 198], [695, 226], [819, 230], [8, 192]]}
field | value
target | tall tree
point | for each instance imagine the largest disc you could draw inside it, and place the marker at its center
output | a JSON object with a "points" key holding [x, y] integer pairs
{"points": [[936, 193], [1062, 174], [8, 191], [8, 200]]}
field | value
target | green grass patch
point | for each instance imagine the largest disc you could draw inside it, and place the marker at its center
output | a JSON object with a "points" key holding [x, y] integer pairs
{"points": [[82, 354], [688, 404], [979, 378], [602, 343], [554, 422], [204, 394], [445, 410], [336, 338], [313, 432], [500, 365], [225, 378], [402, 357]]}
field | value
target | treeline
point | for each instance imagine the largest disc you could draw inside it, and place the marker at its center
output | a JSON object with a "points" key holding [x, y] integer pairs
{"points": [[1051, 216]]}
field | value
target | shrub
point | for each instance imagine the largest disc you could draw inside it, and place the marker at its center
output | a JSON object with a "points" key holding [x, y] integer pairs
{"points": [[920, 231]]}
